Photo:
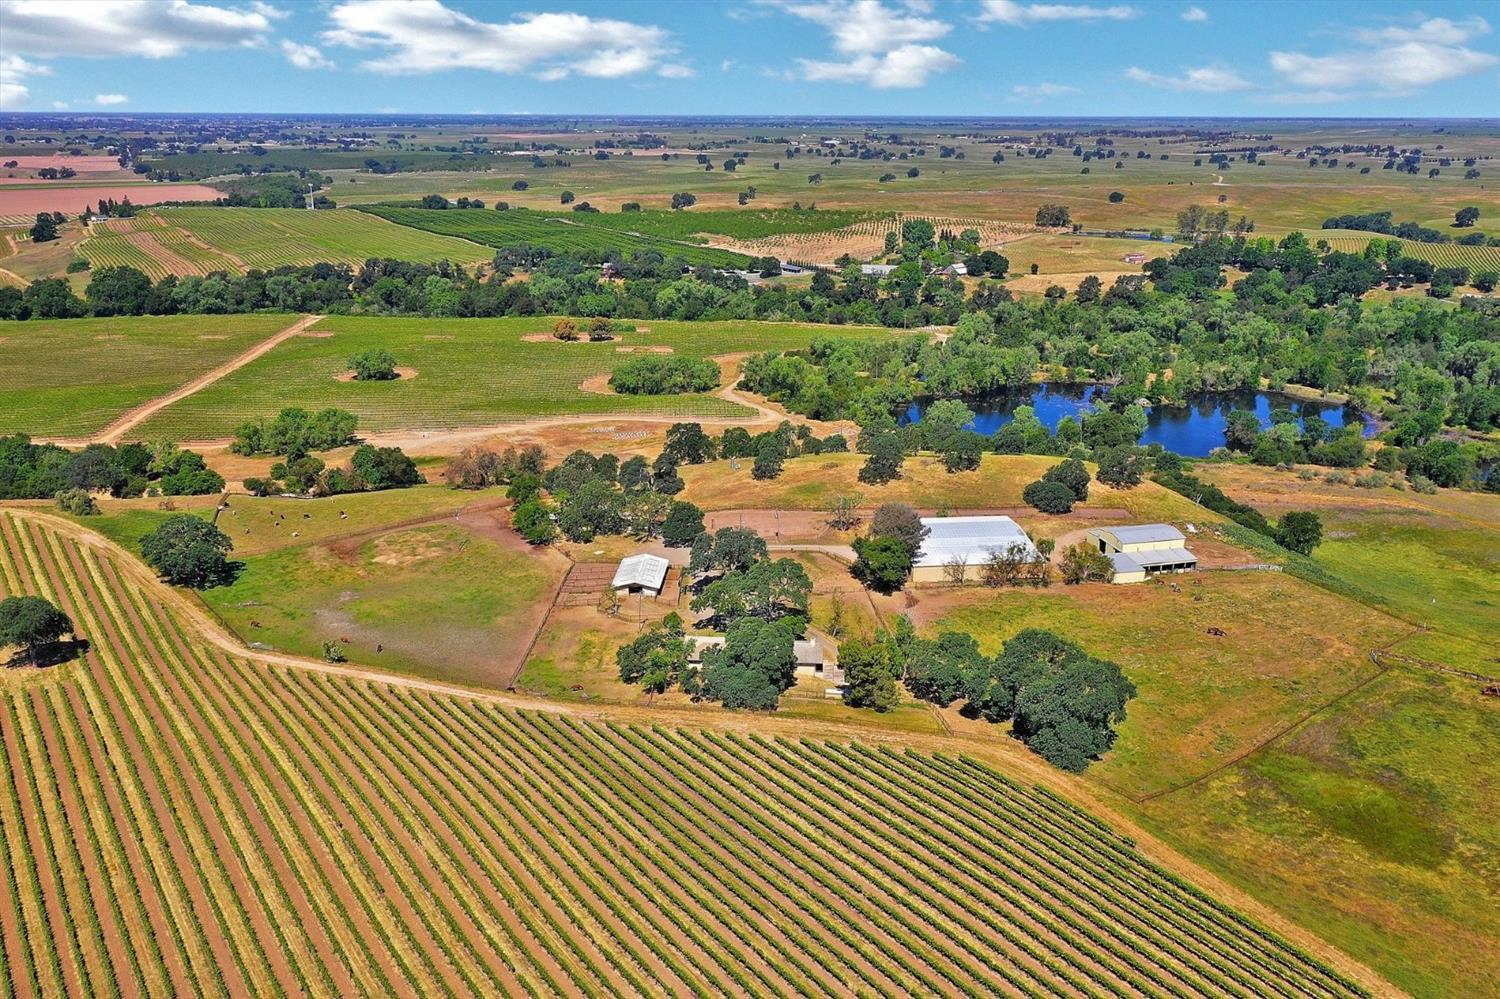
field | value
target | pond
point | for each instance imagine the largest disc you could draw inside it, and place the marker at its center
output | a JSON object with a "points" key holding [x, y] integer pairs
{"points": [[1192, 430]]}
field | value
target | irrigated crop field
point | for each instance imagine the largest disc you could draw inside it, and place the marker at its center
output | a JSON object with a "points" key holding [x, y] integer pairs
{"points": [[273, 237], [470, 372], [573, 233], [71, 377], [153, 247], [187, 820]]}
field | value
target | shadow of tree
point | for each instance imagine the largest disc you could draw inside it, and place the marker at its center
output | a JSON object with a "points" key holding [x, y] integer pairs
{"points": [[51, 654]]}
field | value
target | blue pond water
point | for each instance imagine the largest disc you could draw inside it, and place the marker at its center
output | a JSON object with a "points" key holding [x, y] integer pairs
{"points": [[1193, 430]]}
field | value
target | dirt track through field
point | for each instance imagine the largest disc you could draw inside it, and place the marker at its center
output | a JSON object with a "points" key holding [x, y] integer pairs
{"points": [[137, 415]]}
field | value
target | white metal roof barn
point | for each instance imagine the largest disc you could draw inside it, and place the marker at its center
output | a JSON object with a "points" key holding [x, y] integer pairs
{"points": [[641, 573], [973, 538]]}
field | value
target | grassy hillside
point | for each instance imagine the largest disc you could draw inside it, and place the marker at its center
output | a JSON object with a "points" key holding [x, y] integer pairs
{"points": [[183, 820]]}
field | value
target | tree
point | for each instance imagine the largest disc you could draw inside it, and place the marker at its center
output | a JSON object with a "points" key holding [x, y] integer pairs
{"points": [[657, 659], [684, 523], [1052, 215], [1049, 497], [843, 515], [684, 200], [754, 665], [956, 569], [869, 675], [1071, 473], [882, 562], [1088, 290], [729, 549], [1121, 466], [385, 467], [884, 462], [1241, 430], [770, 458], [1083, 563], [1115, 197], [117, 291], [937, 669], [30, 623], [188, 551], [1465, 217], [567, 197], [1299, 531], [918, 233], [45, 229], [533, 521], [689, 445], [374, 365], [77, 502]]}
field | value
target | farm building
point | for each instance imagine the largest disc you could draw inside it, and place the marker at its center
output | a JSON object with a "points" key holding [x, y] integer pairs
{"points": [[641, 574], [810, 657], [1135, 258], [876, 270], [973, 539], [1144, 550]]}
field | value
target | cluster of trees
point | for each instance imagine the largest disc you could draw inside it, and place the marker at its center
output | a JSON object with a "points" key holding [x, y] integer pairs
{"points": [[295, 433], [370, 468], [1059, 488], [664, 374], [478, 467], [45, 471], [687, 444], [1061, 702], [588, 495], [1292, 439], [374, 365], [760, 603]]}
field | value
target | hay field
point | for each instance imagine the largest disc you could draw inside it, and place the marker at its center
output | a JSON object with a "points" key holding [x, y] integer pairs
{"points": [[72, 377], [471, 372], [180, 819]]}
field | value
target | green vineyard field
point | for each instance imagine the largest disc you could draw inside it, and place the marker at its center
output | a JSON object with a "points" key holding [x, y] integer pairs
{"points": [[182, 819], [274, 237], [1476, 258], [572, 233]]}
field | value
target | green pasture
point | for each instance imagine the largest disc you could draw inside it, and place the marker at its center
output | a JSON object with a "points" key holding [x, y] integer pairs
{"points": [[470, 372], [273, 237], [1373, 826], [67, 378]]}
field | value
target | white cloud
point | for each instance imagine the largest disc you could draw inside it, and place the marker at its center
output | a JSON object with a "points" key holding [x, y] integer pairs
{"points": [[60, 105], [109, 100], [1395, 60], [726, 65], [1021, 15], [152, 28], [1208, 79], [304, 56], [1039, 91], [424, 36], [13, 74], [907, 66], [1194, 15], [676, 71], [880, 43]]}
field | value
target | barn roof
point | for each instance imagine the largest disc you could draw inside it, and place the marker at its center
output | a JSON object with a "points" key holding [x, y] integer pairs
{"points": [[1138, 534], [645, 570], [972, 537]]}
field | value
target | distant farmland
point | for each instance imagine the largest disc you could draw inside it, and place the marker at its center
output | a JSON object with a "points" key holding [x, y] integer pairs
{"points": [[574, 233], [183, 820], [1476, 258]]}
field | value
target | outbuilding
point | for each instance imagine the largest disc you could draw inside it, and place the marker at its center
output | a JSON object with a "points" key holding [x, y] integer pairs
{"points": [[972, 539], [810, 656], [641, 573], [1141, 551]]}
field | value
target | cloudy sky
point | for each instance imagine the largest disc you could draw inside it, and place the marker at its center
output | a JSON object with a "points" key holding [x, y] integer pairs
{"points": [[938, 57]]}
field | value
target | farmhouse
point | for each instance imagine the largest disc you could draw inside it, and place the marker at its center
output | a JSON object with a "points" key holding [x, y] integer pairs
{"points": [[641, 573], [1144, 550], [1135, 258], [810, 657], [973, 539]]}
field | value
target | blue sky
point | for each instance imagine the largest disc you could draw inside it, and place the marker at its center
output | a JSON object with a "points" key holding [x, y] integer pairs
{"points": [[874, 57]]}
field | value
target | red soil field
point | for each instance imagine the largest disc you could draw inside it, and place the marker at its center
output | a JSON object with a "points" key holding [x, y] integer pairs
{"points": [[80, 164], [71, 199]]}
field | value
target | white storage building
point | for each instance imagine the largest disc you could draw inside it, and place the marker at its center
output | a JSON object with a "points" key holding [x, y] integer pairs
{"points": [[973, 539]]}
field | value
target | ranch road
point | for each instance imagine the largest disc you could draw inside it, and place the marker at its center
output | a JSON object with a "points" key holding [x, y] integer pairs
{"points": [[1002, 754]]}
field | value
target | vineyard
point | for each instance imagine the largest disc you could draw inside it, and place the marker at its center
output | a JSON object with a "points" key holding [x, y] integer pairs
{"points": [[862, 239], [275, 237], [573, 233], [71, 377], [156, 249], [474, 372], [745, 224], [1476, 258], [183, 820]]}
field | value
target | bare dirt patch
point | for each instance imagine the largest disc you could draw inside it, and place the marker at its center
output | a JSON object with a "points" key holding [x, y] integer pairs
{"points": [[406, 548], [317, 334], [67, 198], [401, 373], [597, 384], [582, 338]]}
